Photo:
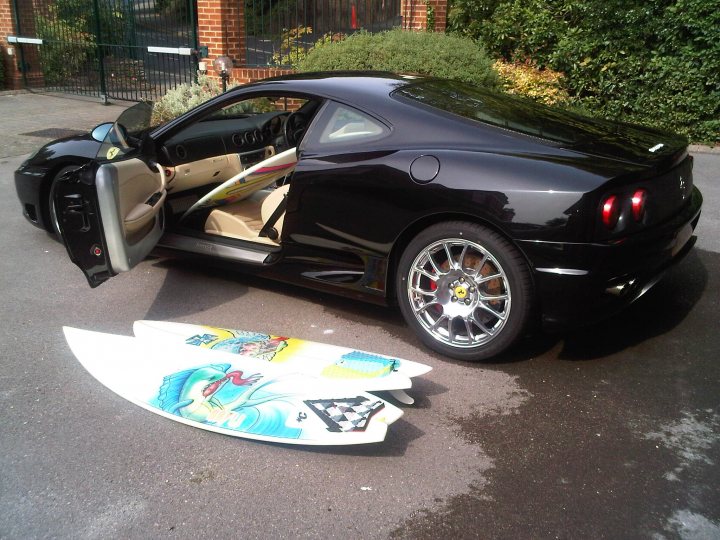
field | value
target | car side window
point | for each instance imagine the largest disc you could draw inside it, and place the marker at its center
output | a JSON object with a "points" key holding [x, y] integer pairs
{"points": [[347, 124]]}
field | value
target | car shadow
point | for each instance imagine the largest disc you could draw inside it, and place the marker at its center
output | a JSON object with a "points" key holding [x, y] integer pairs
{"points": [[658, 312], [191, 287]]}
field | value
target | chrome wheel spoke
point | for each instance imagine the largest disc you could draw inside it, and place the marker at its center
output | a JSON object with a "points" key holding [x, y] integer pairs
{"points": [[485, 279], [450, 331], [451, 263], [426, 274], [491, 311], [418, 290], [478, 268], [468, 329], [439, 320], [424, 307], [461, 259], [485, 329], [430, 259], [493, 298]]}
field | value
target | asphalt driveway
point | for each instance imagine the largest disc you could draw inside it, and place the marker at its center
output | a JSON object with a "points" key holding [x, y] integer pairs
{"points": [[611, 431]]}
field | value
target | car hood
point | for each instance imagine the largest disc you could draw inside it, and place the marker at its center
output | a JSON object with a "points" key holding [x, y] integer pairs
{"points": [[79, 146]]}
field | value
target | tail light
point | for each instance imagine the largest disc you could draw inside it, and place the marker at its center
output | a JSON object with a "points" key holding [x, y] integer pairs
{"points": [[610, 212], [638, 204]]}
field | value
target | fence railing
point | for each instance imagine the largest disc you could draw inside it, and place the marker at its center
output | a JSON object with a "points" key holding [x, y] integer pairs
{"points": [[124, 49], [280, 32]]}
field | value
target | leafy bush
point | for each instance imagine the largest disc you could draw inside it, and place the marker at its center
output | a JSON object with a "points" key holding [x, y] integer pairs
{"points": [[648, 61], [428, 53], [544, 85], [184, 97]]}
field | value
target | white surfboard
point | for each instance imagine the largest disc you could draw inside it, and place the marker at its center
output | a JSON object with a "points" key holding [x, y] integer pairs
{"points": [[370, 372], [231, 394], [248, 181]]}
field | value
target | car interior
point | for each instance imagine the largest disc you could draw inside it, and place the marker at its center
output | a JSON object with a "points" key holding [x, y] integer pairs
{"points": [[228, 174]]}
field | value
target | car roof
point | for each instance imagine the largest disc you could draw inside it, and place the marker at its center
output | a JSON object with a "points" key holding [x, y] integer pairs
{"points": [[362, 88]]}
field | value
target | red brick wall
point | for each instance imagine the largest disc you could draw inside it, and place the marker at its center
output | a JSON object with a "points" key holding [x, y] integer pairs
{"points": [[221, 26], [440, 7], [246, 75], [13, 75], [6, 28], [414, 14]]}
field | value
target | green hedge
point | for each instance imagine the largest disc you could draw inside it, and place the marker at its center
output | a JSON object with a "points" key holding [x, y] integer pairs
{"points": [[655, 62], [429, 53]]}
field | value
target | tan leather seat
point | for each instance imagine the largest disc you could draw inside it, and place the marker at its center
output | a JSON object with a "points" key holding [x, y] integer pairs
{"points": [[244, 219]]}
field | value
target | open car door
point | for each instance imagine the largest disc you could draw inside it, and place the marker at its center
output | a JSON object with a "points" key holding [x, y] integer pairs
{"points": [[110, 215]]}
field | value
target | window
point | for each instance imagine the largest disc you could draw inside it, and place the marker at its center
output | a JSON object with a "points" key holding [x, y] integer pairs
{"points": [[349, 124], [506, 111], [256, 106]]}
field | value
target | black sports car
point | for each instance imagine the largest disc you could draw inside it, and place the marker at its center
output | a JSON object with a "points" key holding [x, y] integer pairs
{"points": [[475, 212]]}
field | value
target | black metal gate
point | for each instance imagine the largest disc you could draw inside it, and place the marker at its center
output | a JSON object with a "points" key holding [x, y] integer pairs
{"points": [[280, 32], [122, 49]]}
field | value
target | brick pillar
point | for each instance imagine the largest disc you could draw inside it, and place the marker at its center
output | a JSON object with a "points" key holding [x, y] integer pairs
{"points": [[6, 28], [440, 10], [12, 63], [221, 26], [415, 14]]}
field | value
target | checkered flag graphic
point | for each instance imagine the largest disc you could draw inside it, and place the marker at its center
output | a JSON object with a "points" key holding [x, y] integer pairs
{"points": [[349, 414]]}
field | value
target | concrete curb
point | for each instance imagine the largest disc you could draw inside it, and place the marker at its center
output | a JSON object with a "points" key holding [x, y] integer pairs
{"points": [[702, 149]]}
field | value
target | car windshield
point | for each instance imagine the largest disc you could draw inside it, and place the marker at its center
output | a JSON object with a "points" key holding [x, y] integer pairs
{"points": [[124, 136], [502, 110]]}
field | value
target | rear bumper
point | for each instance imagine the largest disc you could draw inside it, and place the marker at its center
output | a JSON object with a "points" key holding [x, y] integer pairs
{"points": [[29, 188], [580, 284]]}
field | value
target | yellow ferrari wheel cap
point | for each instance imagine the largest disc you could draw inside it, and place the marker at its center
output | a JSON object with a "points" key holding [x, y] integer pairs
{"points": [[460, 291]]}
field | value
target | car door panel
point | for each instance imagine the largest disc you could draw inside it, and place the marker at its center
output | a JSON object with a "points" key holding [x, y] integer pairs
{"points": [[110, 216], [132, 226]]}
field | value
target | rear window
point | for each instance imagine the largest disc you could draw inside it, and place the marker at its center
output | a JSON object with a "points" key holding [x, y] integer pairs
{"points": [[505, 111]]}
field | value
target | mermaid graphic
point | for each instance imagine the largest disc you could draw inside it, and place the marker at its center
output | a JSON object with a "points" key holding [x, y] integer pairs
{"points": [[252, 344], [213, 394]]}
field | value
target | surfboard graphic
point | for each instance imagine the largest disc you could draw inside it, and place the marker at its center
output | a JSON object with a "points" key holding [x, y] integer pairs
{"points": [[248, 181], [369, 371], [231, 394]]}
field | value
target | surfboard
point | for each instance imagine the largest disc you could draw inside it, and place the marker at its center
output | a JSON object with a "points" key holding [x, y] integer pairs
{"points": [[371, 372], [231, 394], [248, 181]]}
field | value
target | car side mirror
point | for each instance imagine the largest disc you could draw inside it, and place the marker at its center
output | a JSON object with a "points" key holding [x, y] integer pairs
{"points": [[100, 132]]}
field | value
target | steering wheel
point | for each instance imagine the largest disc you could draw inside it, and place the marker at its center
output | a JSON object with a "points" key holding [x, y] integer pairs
{"points": [[294, 128]]}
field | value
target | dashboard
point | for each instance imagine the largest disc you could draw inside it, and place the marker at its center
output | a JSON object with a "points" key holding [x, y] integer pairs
{"points": [[224, 136], [216, 149]]}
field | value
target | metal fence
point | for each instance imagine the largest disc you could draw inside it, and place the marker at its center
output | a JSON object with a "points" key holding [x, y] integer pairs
{"points": [[280, 32], [121, 49]]}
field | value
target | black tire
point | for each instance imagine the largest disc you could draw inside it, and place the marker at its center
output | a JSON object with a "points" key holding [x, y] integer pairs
{"points": [[52, 217], [465, 290]]}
